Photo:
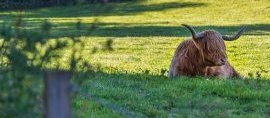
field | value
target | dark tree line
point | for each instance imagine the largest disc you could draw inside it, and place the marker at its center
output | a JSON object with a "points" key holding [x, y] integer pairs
{"points": [[27, 4]]}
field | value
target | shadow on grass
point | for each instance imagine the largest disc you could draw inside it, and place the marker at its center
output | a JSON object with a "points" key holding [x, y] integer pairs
{"points": [[156, 95], [113, 9], [146, 30], [124, 29]]}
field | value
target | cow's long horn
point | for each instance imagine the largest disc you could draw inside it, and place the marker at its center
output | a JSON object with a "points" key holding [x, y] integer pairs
{"points": [[193, 32], [232, 38]]}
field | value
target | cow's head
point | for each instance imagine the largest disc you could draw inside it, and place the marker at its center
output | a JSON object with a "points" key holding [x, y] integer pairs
{"points": [[211, 45]]}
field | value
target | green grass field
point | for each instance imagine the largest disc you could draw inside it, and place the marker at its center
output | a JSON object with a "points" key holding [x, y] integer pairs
{"points": [[130, 81]]}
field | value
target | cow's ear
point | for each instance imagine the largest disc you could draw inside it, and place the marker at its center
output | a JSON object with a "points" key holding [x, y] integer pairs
{"points": [[199, 36]]}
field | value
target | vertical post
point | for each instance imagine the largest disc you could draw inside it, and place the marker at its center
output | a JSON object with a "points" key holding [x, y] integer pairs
{"points": [[57, 97]]}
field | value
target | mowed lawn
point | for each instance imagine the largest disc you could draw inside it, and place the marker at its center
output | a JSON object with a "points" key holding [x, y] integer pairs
{"points": [[131, 80]]}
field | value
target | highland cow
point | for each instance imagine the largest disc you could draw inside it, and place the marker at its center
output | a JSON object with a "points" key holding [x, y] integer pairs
{"points": [[204, 54]]}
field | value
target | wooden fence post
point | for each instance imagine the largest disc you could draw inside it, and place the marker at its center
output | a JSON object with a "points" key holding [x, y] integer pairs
{"points": [[57, 97]]}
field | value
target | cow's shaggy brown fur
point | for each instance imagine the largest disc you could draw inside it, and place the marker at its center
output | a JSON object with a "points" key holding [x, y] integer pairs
{"points": [[225, 71], [204, 54]]}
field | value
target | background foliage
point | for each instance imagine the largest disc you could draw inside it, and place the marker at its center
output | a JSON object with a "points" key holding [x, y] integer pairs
{"points": [[24, 55]]}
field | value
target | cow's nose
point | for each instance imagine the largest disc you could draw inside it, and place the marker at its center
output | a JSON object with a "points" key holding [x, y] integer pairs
{"points": [[223, 61]]}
